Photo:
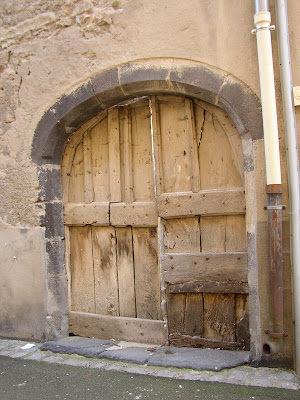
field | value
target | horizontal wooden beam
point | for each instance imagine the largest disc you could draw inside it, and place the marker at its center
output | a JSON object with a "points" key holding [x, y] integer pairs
{"points": [[205, 202], [206, 272], [134, 214], [86, 214], [119, 328]]}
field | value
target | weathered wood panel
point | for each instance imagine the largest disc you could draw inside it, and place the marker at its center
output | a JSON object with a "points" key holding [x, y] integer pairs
{"points": [[218, 267], [181, 235], [114, 155], [210, 202], [185, 314], [134, 214], [86, 214], [88, 176], [142, 166], [213, 234], [192, 145], [105, 271], [118, 328], [76, 179], [219, 317], [175, 146], [100, 159], [126, 272], [217, 167], [82, 269], [236, 233], [147, 278]]}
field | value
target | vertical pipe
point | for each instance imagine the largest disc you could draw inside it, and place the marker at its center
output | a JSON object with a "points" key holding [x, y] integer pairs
{"points": [[262, 19], [292, 162]]}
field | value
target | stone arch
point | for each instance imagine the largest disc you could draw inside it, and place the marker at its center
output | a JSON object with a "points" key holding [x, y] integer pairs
{"points": [[111, 87]]}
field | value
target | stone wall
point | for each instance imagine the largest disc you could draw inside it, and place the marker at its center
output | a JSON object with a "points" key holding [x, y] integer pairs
{"points": [[50, 48]]}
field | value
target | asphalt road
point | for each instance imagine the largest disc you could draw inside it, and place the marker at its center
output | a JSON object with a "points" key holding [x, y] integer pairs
{"points": [[33, 380]]}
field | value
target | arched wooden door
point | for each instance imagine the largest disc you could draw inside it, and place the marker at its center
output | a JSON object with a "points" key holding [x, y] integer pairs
{"points": [[154, 209]]}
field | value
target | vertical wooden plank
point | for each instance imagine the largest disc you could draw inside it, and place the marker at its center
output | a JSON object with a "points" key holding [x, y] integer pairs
{"points": [[217, 168], [219, 309], [99, 143], [156, 146], [105, 268], [114, 155], [142, 166], [219, 316], [82, 271], [213, 231], [76, 181], [242, 320], [176, 312], [185, 311], [125, 272], [128, 182], [181, 235], [193, 323], [88, 176], [175, 146], [236, 233], [147, 278], [192, 144]]}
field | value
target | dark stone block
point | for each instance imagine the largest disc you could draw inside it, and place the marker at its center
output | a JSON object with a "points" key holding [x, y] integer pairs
{"points": [[53, 220], [200, 77], [45, 127], [55, 250], [130, 73], [105, 81], [137, 355], [50, 184], [243, 106], [69, 102]]}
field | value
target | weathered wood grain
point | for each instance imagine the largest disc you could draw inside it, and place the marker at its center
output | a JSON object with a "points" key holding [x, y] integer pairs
{"points": [[86, 214], [147, 278], [125, 272], [114, 155], [76, 179], [205, 202], [105, 271], [118, 328], [88, 175], [142, 166], [82, 270], [134, 214], [219, 267]]}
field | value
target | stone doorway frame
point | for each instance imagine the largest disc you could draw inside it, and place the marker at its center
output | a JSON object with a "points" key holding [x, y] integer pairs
{"points": [[109, 88]]}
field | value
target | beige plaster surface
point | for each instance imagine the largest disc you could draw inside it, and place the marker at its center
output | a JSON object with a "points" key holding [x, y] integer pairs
{"points": [[22, 283]]}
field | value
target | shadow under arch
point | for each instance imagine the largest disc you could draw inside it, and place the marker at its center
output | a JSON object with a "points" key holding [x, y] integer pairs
{"points": [[104, 90]]}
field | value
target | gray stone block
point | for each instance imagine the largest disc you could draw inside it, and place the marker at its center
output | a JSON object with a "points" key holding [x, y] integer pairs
{"points": [[132, 354], [77, 345], [200, 359]]}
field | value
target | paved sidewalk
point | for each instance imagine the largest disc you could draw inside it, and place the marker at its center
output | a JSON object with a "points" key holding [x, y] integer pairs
{"points": [[242, 375]]}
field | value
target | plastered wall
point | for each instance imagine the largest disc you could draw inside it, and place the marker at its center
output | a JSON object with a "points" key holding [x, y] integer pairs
{"points": [[48, 48]]}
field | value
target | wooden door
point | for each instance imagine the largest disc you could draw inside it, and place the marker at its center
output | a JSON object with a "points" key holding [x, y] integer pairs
{"points": [[155, 214]]}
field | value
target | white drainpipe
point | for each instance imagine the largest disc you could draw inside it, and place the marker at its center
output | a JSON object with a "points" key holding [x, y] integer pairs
{"points": [[262, 20], [292, 162]]}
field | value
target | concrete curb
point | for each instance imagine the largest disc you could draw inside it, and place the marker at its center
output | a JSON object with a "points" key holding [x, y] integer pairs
{"points": [[243, 375]]}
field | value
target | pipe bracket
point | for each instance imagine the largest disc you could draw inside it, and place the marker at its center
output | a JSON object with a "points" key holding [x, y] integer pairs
{"points": [[274, 335], [277, 207]]}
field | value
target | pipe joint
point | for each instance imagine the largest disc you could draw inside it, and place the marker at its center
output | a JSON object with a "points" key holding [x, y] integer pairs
{"points": [[262, 21]]}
